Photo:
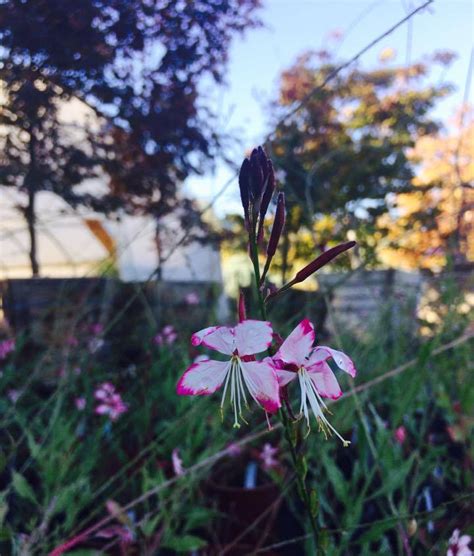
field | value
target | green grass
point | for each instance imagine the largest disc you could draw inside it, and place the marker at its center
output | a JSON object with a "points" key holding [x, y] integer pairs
{"points": [[59, 466]]}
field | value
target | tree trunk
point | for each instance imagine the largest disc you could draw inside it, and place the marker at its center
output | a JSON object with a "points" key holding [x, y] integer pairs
{"points": [[30, 212], [31, 220]]}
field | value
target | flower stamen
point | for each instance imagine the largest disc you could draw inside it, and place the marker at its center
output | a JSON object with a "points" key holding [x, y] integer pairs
{"points": [[310, 394]]}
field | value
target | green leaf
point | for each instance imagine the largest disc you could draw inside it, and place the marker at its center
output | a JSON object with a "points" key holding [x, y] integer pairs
{"points": [[185, 543], [376, 531], [23, 487], [336, 478], [323, 539], [395, 477], [197, 517], [5, 534], [314, 503], [302, 467]]}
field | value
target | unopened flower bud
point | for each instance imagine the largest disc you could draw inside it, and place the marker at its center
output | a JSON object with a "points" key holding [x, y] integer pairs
{"points": [[256, 178], [278, 225], [412, 527], [321, 261], [269, 188], [241, 307], [244, 180], [255, 174]]}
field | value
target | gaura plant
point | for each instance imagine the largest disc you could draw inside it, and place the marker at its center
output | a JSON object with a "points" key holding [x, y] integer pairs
{"points": [[242, 377]]}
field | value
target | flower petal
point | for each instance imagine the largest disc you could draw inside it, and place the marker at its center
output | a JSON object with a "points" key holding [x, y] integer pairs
{"points": [[219, 338], [325, 381], [285, 377], [202, 378], [252, 336], [298, 345], [260, 378], [322, 353]]}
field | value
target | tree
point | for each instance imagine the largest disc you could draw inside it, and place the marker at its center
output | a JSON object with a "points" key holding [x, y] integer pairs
{"points": [[344, 150], [435, 220], [37, 153], [138, 64]]}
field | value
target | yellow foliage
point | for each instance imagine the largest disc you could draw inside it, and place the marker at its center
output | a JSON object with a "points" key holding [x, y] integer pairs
{"points": [[448, 161]]}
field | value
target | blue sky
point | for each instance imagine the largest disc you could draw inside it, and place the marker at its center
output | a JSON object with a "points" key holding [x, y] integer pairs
{"points": [[293, 26]]}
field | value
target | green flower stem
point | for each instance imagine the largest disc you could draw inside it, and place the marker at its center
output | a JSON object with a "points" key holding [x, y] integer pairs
{"points": [[305, 495], [299, 471]]}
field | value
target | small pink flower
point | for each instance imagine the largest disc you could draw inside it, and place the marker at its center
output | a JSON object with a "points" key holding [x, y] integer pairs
{"points": [[96, 329], [267, 455], [459, 545], [6, 347], [233, 449], [400, 434], [167, 336], [124, 534], [13, 395], [192, 298], [297, 357], [95, 344], [177, 462], [111, 402], [80, 403], [241, 343], [72, 341]]}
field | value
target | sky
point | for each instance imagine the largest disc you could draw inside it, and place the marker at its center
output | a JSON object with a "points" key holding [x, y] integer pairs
{"points": [[291, 27]]}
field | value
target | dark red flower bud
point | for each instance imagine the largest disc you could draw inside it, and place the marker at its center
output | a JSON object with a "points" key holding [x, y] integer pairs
{"points": [[257, 177], [278, 225], [244, 180], [277, 228], [269, 188], [241, 307], [321, 261]]}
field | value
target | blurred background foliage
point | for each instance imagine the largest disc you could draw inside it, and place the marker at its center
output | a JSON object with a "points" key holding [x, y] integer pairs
{"points": [[360, 156]]}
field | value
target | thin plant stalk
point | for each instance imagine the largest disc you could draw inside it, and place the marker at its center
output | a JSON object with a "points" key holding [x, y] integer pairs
{"points": [[305, 495]]}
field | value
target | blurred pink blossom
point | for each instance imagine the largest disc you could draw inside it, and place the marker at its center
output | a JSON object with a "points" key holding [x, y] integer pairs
{"points": [[233, 449], [177, 462], [13, 395], [6, 347], [111, 402], [459, 545], [124, 534], [95, 344], [167, 336], [400, 434], [72, 341], [80, 403], [267, 455], [96, 328], [192, 298]]}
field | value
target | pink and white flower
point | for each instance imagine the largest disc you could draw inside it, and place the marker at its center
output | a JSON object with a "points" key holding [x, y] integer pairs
{"points": [[267, 455], [298, 358], [177, 462], [192, 298], [80, 403], [400, 434], [241, 343], [111, 402], [459, 545], [6, 347], [167, 336]]}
